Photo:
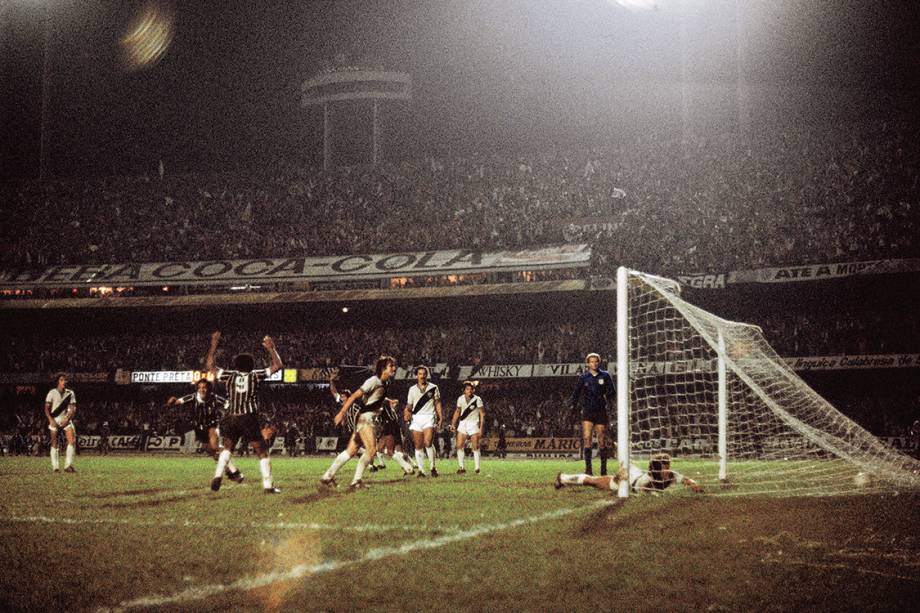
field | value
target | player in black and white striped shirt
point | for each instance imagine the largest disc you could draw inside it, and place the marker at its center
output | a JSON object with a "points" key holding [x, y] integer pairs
{"points": [[243, 419], [206, 411]]}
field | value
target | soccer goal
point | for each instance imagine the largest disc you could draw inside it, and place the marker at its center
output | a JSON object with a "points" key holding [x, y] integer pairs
{"points": [[735, 417]]}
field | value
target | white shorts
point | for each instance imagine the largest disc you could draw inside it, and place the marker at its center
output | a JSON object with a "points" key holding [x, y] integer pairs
{"points": [[635, 473], [420, 423], [58, 420], [365, 420], [468, 429]]}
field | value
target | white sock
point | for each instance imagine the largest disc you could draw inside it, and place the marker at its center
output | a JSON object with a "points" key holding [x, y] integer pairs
{"points": [[400, 458], [363, 461], [430, 452], [337, 464], [68, 455], [265, 467], [231, 466], [578, 479], [461, 455], [419, 459], [379, 457], [476, 456], [55, 458], [222, 460]]}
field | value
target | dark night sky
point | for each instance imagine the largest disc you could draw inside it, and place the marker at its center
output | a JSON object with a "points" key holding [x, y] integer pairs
{"points": [[226, 91]]}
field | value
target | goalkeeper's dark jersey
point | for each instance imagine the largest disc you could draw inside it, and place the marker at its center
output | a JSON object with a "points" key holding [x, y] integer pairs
{"points": [[594, 391]]}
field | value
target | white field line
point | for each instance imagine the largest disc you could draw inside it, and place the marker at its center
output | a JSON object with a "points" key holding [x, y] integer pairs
{"points": [[307, 570], [186, 523], [839, 566]]}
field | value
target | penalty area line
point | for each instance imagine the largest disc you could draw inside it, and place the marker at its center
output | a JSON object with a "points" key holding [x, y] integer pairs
{"points": [[301, 571]]}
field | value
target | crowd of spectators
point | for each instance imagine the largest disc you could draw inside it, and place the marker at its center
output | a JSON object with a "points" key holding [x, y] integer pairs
{"points": [[848, 330], [661, 204], [455, 344]]}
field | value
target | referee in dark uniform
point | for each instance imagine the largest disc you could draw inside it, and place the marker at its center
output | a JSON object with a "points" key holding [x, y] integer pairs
{"points": [[594, 387]]}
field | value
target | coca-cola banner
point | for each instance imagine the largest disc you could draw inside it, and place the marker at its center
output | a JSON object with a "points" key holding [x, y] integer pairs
{"points": [[275, 270]]}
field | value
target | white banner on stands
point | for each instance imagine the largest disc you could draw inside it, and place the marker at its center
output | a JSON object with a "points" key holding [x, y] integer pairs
{"points": [[275, 270], [794, 274], [676, 367], [326, 443]]}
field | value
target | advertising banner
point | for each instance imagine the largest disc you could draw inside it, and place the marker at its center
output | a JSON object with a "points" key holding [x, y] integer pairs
{"points": [[276, 270], [326, 443]]}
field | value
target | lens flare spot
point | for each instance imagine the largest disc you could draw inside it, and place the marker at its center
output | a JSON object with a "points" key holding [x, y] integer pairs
{"points": [[147, 36]]}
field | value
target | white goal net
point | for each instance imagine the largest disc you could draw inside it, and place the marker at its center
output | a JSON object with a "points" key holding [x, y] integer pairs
{"points": [[776, 435]]}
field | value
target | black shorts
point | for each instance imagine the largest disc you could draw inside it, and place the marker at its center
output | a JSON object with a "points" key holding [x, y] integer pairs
{"points": [[202, 433], [247, 427], [595, 416], [390, 428]]}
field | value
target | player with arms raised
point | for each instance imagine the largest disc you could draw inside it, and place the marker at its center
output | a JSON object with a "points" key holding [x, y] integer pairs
{"points": [[244, 419], [423, 405], [468, 421], [60, 407]]}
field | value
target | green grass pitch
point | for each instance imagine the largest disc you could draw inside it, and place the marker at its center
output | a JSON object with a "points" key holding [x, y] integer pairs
{"points": [[146, 533]]}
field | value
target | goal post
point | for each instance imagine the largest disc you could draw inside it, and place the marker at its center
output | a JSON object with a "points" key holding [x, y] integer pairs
{"points": [[735, 417], [623, 377]]}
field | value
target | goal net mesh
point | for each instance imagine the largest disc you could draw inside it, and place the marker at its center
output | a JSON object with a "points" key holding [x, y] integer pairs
{"points": [[782, 437]]}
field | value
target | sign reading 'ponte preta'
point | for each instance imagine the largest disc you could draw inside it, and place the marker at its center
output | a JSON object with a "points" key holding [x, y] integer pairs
{"points": [[274, 270]]}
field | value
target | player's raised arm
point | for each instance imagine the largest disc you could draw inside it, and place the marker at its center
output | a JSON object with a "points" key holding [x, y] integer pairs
{"points": [[173, 400], [340, 416], [269, 345], [209, 364]]}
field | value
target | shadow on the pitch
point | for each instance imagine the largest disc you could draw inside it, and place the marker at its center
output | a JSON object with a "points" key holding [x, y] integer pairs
{"points": [[156, 502], [156, 490], [323, 492], [320, 494], [392, 481]]}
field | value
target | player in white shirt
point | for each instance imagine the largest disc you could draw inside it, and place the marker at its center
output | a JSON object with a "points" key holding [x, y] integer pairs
{"points": [[370, 397], [658, 477], [424, 413], [469, 421], [60, 407]]}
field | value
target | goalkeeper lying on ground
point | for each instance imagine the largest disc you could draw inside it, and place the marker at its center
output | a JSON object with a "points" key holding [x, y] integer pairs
{"points": [[658, 477]]}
